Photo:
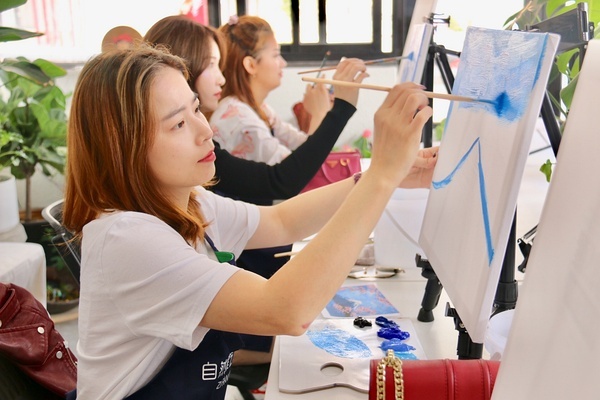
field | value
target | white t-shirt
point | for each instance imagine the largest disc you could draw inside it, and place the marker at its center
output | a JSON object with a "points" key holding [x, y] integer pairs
{"points": [[241, 132], [144, 290]]}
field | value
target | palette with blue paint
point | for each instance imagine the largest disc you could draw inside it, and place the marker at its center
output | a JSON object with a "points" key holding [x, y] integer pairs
{"points": [[335, 353]]}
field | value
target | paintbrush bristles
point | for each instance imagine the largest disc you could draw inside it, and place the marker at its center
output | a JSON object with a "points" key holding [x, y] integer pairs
{"points": [[431, 95]]}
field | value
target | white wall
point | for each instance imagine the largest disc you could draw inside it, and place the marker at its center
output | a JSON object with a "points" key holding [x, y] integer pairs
{"points": [[463, 12], [46, 190], [292, 88]]}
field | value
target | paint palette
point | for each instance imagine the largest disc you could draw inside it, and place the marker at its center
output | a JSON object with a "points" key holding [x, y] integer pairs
{"points": [[335, 353]]}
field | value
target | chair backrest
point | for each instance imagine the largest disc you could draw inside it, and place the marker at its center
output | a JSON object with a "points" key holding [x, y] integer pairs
{"points": [[63, 241]]}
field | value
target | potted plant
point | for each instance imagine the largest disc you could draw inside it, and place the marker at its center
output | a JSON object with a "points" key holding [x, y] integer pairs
{"points": [[33, 127], [567, 64], [33, 123]]}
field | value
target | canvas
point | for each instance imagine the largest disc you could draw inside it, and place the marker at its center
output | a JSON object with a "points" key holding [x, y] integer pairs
{"points": [[416, 48], [416, 44], [482, 156], [552, 350]]}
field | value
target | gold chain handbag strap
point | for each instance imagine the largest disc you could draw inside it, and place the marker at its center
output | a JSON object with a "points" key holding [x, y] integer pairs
{"points": [[390, 360]]}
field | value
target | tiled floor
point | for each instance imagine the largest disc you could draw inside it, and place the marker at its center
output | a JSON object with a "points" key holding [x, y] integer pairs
{"points": [[531, 197]]}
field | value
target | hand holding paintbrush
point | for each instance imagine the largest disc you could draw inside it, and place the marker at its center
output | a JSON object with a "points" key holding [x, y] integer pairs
{"points": [[349, 70]]}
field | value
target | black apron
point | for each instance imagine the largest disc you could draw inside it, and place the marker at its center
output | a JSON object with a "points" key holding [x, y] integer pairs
{"points": [[194, 375], [199, 374]]}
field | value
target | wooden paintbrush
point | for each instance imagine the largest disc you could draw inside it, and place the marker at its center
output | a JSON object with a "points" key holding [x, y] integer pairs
{"points": [[387, 89], [377, 61], [327, 54]]}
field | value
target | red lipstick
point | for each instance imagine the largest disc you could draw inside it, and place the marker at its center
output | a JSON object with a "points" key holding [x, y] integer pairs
{"points": [[210, 157]]}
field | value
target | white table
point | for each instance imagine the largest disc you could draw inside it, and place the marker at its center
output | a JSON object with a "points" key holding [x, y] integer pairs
{"points": [[405, 291], [24, 264]]}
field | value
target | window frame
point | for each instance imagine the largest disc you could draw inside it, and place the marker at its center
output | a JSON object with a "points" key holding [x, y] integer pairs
{"points": [[296, 52]]}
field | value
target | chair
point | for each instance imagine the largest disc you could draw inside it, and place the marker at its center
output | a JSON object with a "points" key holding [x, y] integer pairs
{"points": [[246, 378], [63, 240]]}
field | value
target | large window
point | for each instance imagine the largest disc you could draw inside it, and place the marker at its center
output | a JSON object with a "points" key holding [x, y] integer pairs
{"points": [[74, 29], [307, 29]]}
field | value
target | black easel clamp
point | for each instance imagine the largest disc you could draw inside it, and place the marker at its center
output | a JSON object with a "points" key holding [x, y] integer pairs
{"points": [[466, 349]]}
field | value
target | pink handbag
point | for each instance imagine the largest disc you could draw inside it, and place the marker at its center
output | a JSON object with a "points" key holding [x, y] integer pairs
{"points": [[338, 165]]}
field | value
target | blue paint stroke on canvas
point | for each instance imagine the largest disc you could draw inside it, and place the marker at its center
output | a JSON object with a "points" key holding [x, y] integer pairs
{"points": [[482, 193], [339, 343], [500, 68], [409, 73], [359, 301]]}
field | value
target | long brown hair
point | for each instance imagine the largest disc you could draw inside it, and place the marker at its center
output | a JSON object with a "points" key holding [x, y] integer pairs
{"points": [[111, 130], [189, 40], [246, 37]]}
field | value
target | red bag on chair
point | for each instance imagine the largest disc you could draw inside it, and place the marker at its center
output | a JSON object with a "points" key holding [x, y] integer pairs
{"points": [[337, 166], [395, 379], [302, 116], [28, 339]]}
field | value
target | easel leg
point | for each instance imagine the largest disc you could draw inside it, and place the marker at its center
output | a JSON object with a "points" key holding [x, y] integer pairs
{"points": [[433, 290], [506, 293], [466, 349]]}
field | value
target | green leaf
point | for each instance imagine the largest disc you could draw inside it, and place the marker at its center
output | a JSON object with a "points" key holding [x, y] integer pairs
{"points": [[49, 68], [26, 69], [511, 20], [564, 60], [552, 6], [558, 7], [546, 169], [567, 93], [594, 12], [13, 34], [363, 146], [439, 130], [51, 97], [8, 4]]}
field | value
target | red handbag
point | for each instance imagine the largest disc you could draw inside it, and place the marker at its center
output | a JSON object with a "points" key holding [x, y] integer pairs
{"points": [[302, 116], [394, 379], [338, 165], [28, 339]]}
